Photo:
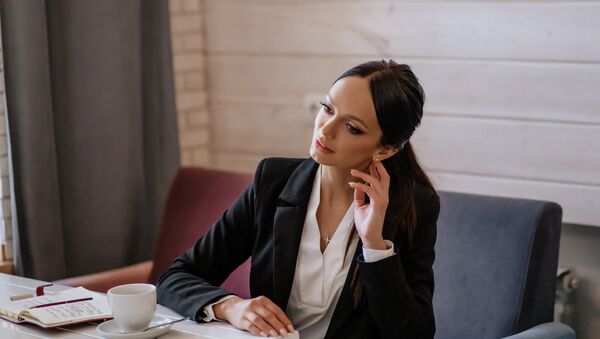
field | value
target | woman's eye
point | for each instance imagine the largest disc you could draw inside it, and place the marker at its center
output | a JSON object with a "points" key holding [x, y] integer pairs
{"points": [[326, 108], [353, 130]]}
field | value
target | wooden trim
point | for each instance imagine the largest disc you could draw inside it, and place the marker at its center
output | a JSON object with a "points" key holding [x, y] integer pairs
{"points": [[3, 255], [6, 267]]}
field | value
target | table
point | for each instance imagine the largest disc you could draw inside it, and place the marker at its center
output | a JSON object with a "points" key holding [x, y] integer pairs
{"points": [[14, 285]]}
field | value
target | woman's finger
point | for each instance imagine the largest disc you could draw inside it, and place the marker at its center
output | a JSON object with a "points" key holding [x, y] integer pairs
{"points": [[250, 327], [272, 320], [370, 179], [383, 184], [365, 188], [383, 173], [373, 170], [283, 318], [258, 321], [359, 196], [373, 181]]}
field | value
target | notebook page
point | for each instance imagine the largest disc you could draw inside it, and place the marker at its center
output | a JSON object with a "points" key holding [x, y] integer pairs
{"points": [[13, 308], [73, 312]]}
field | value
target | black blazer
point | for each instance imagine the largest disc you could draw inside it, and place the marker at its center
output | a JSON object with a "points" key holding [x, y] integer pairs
{"points": [[266, 222]]}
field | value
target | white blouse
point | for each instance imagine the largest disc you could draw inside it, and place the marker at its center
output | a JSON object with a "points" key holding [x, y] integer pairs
{"points": [[319, 277]]}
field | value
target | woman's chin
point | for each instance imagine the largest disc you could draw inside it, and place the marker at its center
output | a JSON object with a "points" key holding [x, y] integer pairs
{"points": [[315, 157], [318, 157], [322, 160]]}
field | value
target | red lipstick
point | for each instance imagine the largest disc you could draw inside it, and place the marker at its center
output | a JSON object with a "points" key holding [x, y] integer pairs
{"points": [[322, 148]]}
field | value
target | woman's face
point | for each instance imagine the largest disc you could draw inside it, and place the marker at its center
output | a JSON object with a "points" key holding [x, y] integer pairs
{"points": [[346, 133]]}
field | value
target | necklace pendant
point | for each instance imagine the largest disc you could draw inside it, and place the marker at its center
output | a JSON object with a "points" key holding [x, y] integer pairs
{"points": [[326, 240]]}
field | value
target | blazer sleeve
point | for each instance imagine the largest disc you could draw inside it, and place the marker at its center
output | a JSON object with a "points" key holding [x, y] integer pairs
{"points": [[399, 289], [192, 281]]}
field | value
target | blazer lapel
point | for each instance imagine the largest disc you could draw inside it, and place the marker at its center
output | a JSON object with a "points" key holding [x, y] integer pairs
{"points": [[345, 304], [287, 228]]}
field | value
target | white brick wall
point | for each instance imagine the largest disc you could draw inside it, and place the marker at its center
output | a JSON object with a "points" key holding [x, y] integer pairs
{"points": [[187, 35]]}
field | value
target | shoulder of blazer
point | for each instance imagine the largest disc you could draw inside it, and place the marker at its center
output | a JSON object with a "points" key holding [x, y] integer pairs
{"points": [[426, 199], [274, 173], [427, 207], [427, 204]]}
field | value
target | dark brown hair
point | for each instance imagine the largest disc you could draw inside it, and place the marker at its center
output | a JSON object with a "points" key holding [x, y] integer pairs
{"points": [[398, 99]]}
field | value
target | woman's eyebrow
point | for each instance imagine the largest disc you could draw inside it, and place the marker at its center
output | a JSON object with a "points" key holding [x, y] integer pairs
{"points": [[328, 97]]}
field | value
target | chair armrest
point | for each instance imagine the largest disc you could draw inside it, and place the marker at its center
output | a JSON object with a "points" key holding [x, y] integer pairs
{"points": [[103, 281], [554, 330]]}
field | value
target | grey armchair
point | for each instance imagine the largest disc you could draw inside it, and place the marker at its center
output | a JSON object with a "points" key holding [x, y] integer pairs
{"points": [[495, 268]]}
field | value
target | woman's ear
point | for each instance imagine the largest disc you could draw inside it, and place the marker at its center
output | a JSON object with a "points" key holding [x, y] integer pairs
{"points": [[385, 152]]}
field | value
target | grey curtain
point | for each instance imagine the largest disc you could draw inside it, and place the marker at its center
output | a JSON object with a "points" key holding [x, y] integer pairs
{"points": [[93, 133]]}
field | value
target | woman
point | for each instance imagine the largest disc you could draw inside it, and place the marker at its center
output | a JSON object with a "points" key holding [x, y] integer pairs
{"points": [[342, 243]]}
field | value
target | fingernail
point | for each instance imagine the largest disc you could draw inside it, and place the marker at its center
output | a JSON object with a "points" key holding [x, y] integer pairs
{"points": [[352, 170], [290, 328], [351, 183], [263, 334], [273, 333], [283, 331]]}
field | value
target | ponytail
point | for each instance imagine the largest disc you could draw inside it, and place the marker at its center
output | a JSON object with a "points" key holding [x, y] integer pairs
{"points": [[398, 98]]}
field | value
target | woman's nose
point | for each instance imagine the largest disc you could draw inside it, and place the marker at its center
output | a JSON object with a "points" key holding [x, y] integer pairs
{"points": [[328, 129]]}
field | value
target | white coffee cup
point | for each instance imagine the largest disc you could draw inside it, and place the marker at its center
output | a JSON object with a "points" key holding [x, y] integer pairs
{"points": [[133, 305]]}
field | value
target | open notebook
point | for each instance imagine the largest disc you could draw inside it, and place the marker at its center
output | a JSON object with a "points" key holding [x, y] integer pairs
{"points": [[67, 307]]}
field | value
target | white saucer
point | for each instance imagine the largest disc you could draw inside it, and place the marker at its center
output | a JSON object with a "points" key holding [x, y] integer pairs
{"points": [[110, 329]]}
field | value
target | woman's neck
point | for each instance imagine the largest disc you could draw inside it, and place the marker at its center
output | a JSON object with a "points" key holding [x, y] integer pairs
{"points": [[334, 184]]}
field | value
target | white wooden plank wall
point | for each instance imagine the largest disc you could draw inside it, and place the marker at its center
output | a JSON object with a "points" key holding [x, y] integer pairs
{"points": [[513, 88]]}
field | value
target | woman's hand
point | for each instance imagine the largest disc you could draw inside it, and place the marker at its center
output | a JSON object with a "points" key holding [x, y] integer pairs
{"points": [[369, 218], [259, 316]]}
